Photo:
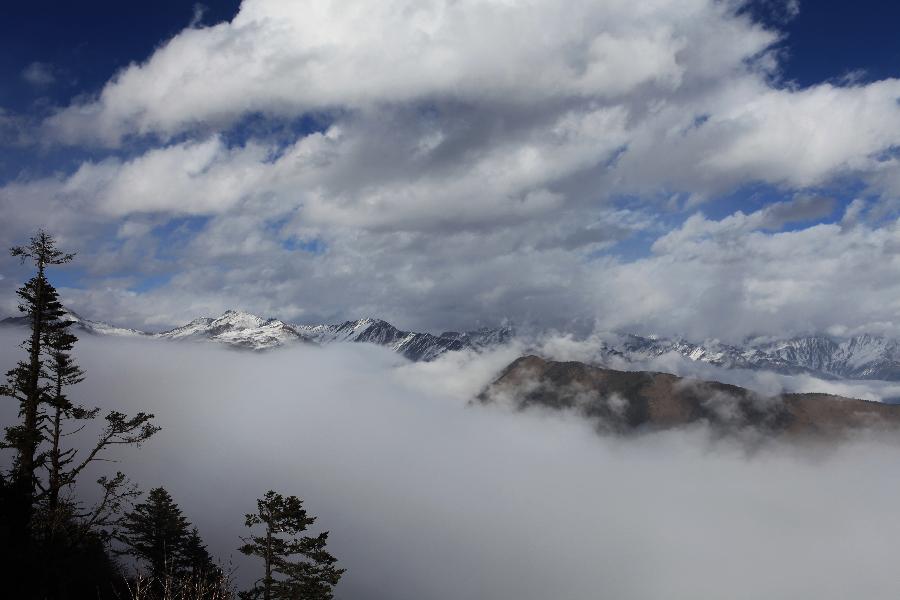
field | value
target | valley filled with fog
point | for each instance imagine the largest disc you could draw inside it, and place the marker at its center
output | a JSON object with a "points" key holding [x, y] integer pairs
{"points": [[427, 495]]}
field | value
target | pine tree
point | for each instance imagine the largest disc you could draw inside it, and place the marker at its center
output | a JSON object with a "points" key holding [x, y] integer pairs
{"points": [[27, 386], [65, 521], [157, 532], [197, 562], [63, 372], [39, 303], [295, 566], [54, 544]]}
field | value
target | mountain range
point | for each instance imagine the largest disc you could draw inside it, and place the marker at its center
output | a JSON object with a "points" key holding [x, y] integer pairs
{"points": [[243, 330], [859, 357], [636, 401]]}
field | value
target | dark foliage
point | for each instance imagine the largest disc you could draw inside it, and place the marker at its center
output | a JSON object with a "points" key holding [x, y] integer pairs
{"points": [[295, 566], [53, 545], [157, 533]]}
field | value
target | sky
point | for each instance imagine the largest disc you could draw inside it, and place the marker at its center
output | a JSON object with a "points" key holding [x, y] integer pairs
{"points": [[704, 168]]}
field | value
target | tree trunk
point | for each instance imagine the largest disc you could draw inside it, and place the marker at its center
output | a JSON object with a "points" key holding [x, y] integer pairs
{"points": [[26, 469], [267, 589], [54, 482]]}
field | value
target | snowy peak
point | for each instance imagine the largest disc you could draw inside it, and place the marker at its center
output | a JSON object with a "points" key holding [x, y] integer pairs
{"points": [[859, 357], [362, 330], [245, 330], [234, 319], [237, 329], [413, 345]]}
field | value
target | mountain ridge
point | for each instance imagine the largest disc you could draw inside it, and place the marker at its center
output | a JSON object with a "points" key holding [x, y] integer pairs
{"points": [[638, 401], [863, 356], [242, 330]]}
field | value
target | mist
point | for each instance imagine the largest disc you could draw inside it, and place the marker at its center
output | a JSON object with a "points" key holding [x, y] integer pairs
{"points": [[429, 496], [565, 347]]}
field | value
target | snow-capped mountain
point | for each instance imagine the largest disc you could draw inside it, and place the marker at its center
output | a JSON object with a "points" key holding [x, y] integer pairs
{"points": [[858, 357], [237, 329], [412, 345], [244, 330], [85, 325]]}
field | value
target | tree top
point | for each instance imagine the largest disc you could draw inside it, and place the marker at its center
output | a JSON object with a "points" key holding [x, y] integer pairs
{"points": [[41, 248]]}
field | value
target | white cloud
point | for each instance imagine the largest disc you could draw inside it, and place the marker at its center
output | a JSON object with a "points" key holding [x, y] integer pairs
{"points": [[727, 278], [804, 137], [286, 58], [454, 100], [426, 497]]}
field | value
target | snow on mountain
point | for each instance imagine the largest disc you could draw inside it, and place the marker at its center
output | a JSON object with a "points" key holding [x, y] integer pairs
{"points": [[859, 357], [86, 325], [414, 346], [239, 330], [244, 330]]}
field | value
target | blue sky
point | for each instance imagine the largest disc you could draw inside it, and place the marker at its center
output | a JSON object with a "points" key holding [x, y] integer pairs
{"points": [[829, 39], [448, 165]]}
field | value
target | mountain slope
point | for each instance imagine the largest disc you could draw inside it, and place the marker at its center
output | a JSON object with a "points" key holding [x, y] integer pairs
{"points": [[244, 330], [626, 401], [859, 357], [84, 325], [412, 345], [239, 330]]}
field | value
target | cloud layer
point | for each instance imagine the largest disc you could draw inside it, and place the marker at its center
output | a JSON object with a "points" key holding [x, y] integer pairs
{"points": [[428, 497]]}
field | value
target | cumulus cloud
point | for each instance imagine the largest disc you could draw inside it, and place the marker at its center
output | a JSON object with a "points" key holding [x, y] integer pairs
{"points": [[742, 280], [287, 57], [700, 119], [426, 496]]}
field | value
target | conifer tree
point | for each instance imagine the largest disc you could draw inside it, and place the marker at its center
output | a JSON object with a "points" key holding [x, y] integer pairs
{"points": [[62, 464], [52, 540], [295, 566], [40, 305], [197, 562], [26, 385], [157, 532], [63, 372]]}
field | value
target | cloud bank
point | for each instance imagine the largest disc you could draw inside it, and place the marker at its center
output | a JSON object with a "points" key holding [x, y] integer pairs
{"points": [[426, 496]]}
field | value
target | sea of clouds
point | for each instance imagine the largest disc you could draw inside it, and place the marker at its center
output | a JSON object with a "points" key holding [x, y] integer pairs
{"points": [[429, 496]]}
